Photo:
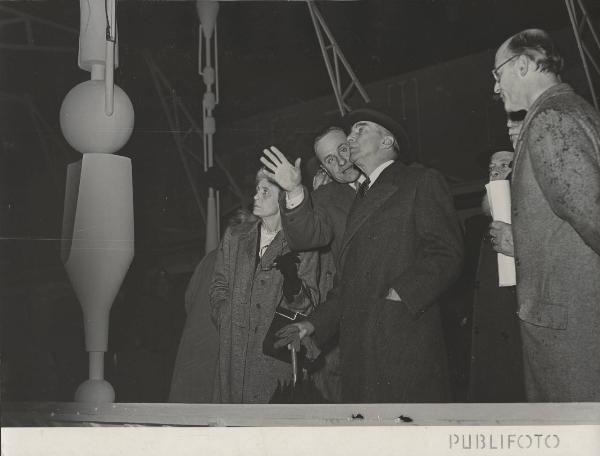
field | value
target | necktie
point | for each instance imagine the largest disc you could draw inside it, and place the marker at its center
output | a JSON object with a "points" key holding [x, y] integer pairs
{"points": [[362, 188]]}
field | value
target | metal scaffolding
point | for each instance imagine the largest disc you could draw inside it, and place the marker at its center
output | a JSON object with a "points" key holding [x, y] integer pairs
{"points": [[587, 42], [183, 126], [333, 56], [14, 18]]}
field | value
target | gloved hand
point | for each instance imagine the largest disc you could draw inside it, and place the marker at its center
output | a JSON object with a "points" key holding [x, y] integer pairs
{"points": [[292, 334], [287, 264]]}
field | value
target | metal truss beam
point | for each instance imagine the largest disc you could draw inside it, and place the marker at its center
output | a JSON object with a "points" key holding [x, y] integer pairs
{"points": [[183, 126], [13, 17], [333, 57], [588, 43]]}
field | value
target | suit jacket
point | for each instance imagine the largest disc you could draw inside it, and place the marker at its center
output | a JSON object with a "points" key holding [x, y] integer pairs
{"points": [[556, 230], [404, 234]]}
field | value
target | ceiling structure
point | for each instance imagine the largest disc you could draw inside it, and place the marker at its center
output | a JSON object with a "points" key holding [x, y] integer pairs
{"points": [[269, 58]]}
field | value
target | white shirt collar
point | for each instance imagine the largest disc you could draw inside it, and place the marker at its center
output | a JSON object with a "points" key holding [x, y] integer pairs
{"points": [[377, 171]]}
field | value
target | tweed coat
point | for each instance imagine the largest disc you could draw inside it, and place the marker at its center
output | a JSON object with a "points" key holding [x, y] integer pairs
{"points": [[403, 234], [556, 230], [244, 294]]}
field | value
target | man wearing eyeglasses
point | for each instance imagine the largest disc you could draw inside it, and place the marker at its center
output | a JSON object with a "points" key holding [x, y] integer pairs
{"points": [[401, 250], [555, 221]]}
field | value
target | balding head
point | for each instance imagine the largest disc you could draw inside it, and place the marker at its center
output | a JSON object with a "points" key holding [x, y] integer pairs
{"points": [[525, 66]]}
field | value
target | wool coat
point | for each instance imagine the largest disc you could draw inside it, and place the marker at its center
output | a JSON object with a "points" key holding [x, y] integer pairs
{"points": [[556, 231], [193, 373], [320, 220], [404, 234], [496, 371], [244, 293]]}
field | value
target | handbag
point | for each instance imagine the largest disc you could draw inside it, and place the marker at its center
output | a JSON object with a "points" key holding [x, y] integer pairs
{"points": [[281, 318]]}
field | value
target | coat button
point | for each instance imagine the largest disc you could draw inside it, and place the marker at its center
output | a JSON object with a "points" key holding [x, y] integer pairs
{"points": [[255, 330], [517, 262], [258, 305], [262, 281]]}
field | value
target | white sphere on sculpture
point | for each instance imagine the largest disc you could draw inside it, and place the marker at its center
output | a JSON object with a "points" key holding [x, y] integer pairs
{"points": [[85, 125]]}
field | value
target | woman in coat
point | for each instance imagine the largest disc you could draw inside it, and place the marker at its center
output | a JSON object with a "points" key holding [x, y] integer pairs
{"points": [[248, 285]]}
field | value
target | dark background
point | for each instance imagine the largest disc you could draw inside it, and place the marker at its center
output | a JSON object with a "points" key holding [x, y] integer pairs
{"points": [[273, 90]]}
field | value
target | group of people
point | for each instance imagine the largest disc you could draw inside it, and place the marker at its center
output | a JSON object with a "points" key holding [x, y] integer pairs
{"points": [[362, 263]]}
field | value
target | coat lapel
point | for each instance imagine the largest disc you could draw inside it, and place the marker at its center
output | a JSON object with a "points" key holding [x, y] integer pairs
{"points": [[248, 242], [275, 248], [362, 209]]}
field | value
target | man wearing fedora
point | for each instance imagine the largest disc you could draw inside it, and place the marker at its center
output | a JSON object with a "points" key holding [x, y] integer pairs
{"points": [[402, 248]]}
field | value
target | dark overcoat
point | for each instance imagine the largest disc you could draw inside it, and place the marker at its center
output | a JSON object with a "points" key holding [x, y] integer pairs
{"points": [[320, 220], [193, 374], [404, 234], [244, 294]]}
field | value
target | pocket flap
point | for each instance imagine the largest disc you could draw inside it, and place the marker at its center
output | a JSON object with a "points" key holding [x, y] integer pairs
{"points": [[548, 315]]}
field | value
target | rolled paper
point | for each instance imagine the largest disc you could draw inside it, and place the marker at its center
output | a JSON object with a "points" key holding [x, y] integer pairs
{"points": [[498, 194]]}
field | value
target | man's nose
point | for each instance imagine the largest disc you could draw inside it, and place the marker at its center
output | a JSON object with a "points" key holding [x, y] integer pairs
{"points": [[255, 196], [345, 153], [341, 160], [350, 138], [496, 87]]}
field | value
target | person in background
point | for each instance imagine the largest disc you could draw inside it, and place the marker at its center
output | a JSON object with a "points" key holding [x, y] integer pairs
{"points": [[317, 220], [496, 373], [256, 273], [555, 214]]}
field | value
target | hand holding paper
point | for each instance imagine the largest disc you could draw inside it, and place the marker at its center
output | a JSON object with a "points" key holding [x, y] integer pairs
{"points": [[502, 240], [498, 193]]}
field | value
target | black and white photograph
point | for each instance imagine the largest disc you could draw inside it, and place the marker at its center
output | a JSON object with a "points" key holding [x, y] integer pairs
{"points": [[267, 214]]}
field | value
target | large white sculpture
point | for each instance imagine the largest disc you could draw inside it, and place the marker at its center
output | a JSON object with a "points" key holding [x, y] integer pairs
{"points": [[96, 118]]}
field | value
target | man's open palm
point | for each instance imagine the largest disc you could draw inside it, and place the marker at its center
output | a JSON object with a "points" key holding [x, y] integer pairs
{"points": [[286, 175]]}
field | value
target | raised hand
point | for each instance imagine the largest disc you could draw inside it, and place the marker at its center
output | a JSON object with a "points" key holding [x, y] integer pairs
{"points": [[286, 175]]}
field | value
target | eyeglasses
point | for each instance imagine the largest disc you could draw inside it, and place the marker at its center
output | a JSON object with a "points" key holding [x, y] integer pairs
{"points": [[495, 70]]}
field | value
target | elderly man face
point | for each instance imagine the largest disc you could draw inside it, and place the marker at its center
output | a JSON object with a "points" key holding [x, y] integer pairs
{"points": [[501, 165], [508, 82], [332, 151], [364, 140]]}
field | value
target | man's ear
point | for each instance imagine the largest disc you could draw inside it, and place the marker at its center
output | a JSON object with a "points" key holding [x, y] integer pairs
{"points": [[324, 170], [388, 141], [524, 65]]}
